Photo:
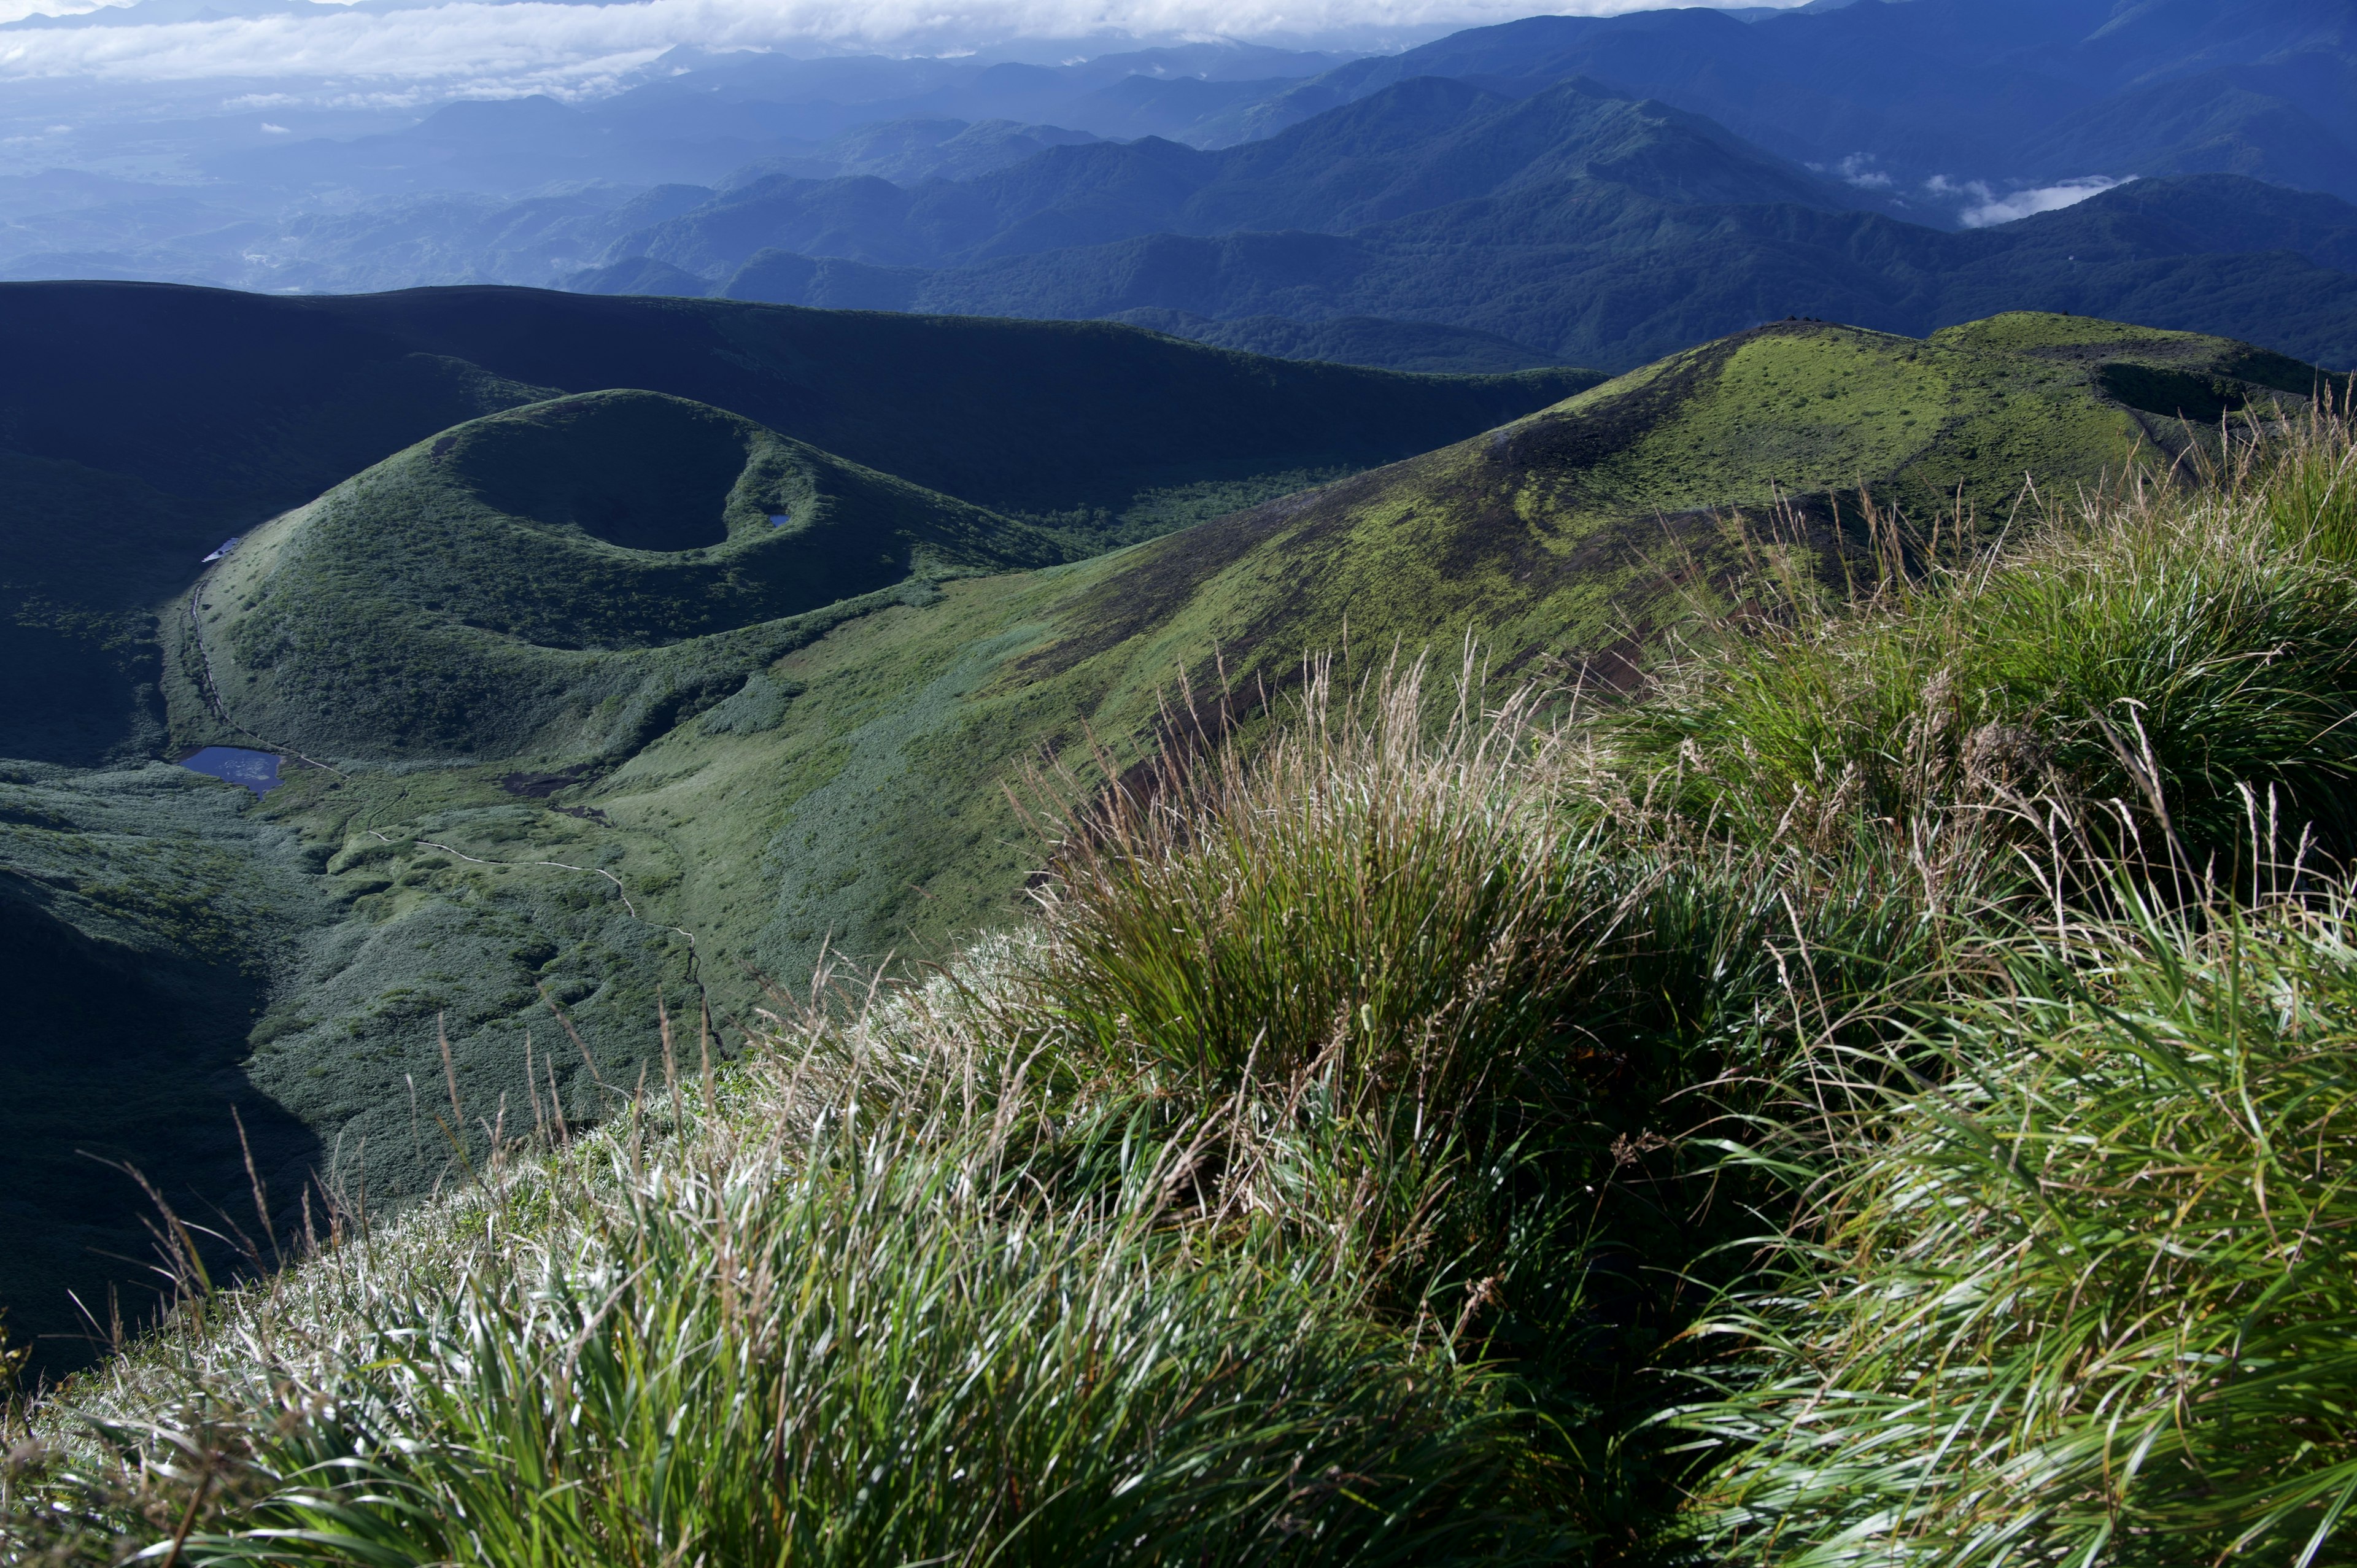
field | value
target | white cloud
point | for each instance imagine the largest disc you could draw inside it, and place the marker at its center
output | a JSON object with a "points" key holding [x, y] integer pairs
{"points": [[539, 45], [1987, 207], [17, 10], [1858, 169]]}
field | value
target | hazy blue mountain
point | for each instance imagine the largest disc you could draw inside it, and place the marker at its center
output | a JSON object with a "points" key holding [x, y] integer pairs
{"points": [[1589, 272], [908, 151], [1999, 92], [1414, 147], [1513, 182]]}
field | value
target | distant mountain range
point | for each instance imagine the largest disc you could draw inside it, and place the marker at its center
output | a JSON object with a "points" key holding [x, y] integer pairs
{"points": [[1559, 189], [1896, 94], [1578, 227]]}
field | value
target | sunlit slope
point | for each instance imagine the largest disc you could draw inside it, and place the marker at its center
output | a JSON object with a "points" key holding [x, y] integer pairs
{"points": [[560, 578], [691, 767], [872, 813]]}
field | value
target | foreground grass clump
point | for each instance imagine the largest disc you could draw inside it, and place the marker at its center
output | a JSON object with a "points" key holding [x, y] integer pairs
{"points": [[1433, 999], [864, 1338], [2093, 1298], [2157, 646]]}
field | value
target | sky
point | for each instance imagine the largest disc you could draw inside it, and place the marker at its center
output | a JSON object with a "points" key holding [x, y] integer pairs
{"points": [[542, 44]]}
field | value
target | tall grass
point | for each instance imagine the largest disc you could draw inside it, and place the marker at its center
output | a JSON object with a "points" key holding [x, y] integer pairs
{"points": [[1374, 1130], [861, 1340], [2155, 646], [2093, 1298], [1436, 1006]]}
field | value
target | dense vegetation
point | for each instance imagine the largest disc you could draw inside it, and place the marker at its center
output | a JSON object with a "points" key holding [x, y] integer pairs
{"points": [[561, 769], [1875, 1091]]}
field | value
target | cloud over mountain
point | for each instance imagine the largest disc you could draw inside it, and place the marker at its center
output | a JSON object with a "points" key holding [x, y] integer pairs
{"points": [[537, 44]]}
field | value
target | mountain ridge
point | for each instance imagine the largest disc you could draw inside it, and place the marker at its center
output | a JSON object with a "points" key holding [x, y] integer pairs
{"points": [[1592, 273], [1417, 145]]}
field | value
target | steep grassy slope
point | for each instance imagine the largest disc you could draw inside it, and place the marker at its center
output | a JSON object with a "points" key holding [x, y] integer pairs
{"points": [[872, 813], [851, 790], [736, 799], [141, 424], [1433, 1133]]}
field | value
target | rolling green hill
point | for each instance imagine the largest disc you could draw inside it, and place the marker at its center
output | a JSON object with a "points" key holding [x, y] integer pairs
{"points": [[561, 580], [141, 424], [570, 766]]}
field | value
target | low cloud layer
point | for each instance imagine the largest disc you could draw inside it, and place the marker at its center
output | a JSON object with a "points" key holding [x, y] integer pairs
{"points": [[535, 44], [1985, 206]]}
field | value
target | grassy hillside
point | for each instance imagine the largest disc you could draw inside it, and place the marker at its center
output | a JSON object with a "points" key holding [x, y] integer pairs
{"points": [[143, 423], [692, 795], [561, 580], [1452, 1129], [1574, 536]]}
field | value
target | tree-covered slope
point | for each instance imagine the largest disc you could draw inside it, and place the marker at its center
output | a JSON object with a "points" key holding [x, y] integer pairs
{"points": [[1418, 145], [1595, 271]]}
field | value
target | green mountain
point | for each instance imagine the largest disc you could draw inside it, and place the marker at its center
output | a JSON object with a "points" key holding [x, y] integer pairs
{"points": [[596, 732], [558, 579], [142, 424]]}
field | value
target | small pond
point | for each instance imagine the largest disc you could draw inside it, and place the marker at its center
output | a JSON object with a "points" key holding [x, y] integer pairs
{"points": [[780, 518], [257, 770]]}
